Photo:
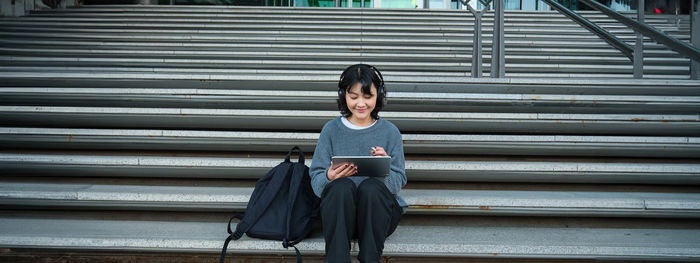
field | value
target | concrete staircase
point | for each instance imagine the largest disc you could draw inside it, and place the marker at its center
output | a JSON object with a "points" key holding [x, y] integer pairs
{"points": [[142, 129], [211, 40]]}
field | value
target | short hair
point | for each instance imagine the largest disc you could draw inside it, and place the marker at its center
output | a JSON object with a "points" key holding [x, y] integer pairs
{"points": [[366, 75]]}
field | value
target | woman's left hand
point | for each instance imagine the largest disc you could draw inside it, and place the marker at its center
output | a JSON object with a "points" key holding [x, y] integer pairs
{"points": [[378, 151]]}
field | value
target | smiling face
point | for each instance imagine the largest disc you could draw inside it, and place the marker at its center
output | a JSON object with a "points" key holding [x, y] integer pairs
{"points": [[360, 104]]}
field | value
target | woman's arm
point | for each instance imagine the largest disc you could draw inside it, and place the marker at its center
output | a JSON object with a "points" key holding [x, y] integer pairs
{"points": [[320, 163], [397, 176]]}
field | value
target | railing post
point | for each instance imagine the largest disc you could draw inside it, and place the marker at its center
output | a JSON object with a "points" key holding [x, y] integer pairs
{"points": [[639, 45], [678, 18], [477, 54], [476, 49], [694, 37], [497, 51]]}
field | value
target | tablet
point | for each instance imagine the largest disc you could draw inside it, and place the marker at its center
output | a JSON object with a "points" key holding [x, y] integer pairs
{"points": [[374, 166]]}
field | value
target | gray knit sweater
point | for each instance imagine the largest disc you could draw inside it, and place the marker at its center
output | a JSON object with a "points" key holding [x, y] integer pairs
{"points": [[338, 140]]}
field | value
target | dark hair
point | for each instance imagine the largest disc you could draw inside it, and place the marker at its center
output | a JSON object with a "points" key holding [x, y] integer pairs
{"points": [[366, 75]]}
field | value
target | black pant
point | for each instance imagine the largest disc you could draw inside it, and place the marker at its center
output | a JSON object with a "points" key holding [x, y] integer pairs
{"points": [[368, 212]]}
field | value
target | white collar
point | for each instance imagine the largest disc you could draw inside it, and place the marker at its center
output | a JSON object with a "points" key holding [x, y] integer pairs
{"points": [[349, 124]]}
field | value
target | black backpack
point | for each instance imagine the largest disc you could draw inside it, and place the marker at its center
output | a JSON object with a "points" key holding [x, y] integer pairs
{"points": [[283, 206]]}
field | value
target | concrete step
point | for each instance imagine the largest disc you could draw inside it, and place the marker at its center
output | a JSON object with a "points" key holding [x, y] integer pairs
{"points": [[184, 64], [243, 34], [193, 27], [398, 101], [437, 40], [538, 48], [451, 69], [252, 166], [364, 30], [299, 120], [304, 75], [470, 237], [87, 47], [439, 144], [216, 12], [42, 23], [289, 36], [221, 11], [18, 45], [368, 23], [294, 38], [37, 196], [241, 47], [455, 69], [175, 9], [215, 57], [325, 80], [435, 62], [597, 75]]}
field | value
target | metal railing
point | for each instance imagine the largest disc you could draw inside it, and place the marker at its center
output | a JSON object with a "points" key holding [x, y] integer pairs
{"points": [[636, 54], [617, 43]]}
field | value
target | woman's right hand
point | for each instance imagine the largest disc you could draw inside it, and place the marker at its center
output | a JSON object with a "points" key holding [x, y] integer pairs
{"points": [[343, 170]]}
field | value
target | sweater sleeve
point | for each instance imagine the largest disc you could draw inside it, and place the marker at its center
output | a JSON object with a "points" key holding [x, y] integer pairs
{"points": [[397, 176], [320, 163]]}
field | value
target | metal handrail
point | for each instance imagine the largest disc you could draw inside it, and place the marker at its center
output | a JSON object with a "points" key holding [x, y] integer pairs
{"points": [[656, 35], [614, 41]]}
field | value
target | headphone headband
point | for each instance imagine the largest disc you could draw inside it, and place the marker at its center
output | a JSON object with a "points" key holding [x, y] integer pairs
{"points": [[381, 89], [375, 70]]}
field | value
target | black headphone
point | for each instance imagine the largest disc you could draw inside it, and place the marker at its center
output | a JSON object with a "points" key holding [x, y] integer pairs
{"points": [[381, 90]]}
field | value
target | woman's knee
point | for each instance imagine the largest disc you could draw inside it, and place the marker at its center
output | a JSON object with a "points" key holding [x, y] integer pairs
{"points": [[339, 188], [371, 188]]}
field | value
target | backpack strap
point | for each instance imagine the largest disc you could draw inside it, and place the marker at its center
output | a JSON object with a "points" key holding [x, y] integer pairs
{"points": [[298, 255], [294, 185], [301, 155], [228, 239]]}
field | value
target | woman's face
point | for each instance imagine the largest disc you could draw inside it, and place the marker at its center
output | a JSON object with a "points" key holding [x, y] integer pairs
{"points": [[360, 104]]}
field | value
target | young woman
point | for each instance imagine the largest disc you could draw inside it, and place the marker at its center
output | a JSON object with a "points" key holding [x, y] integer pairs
{"points": [[366, 208]]}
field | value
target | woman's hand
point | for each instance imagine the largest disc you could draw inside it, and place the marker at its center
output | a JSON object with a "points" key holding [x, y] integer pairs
{"points": [[378, 151], [343, 170]]}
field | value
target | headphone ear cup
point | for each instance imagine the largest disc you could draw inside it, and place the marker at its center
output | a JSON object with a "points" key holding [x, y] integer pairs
{"points": [[384, 100]]}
